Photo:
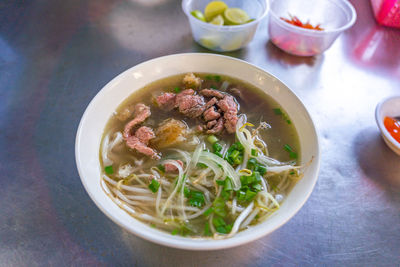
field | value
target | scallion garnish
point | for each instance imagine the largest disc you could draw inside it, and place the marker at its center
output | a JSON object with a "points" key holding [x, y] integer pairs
{"points": [[212, 139], [109, 169], [161, 167], [289, 149], [154, 185], [217, 147], [177, 89], [201, 165]]}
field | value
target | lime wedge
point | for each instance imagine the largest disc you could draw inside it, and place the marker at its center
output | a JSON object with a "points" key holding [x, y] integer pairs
{"points": [[210, 42], [218, 20], [213, 9], [236, 16], [198, 15]]}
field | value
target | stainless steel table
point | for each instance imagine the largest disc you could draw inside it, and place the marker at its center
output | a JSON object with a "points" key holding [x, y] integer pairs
{"points": [[56, 55]]}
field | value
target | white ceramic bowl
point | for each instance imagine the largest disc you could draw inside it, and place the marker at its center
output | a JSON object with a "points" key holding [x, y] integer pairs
{"points": [[225, 38], [107, 100], [388, 107], [335, 16]]}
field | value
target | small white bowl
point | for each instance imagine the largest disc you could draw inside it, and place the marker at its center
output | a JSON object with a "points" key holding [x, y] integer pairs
{"points": [[110, 97], [225, 38], [388, 107]]}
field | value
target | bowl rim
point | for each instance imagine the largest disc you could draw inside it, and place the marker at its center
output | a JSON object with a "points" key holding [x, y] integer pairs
{"points": [[315, 32], [226, 27], [379, 121], [208, 244]]}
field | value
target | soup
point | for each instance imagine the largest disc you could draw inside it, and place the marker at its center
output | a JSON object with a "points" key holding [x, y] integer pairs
{"points": [[203, 156]]}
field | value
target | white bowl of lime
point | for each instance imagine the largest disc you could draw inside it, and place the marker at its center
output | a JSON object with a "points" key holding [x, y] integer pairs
{"points": [[224, 25]]}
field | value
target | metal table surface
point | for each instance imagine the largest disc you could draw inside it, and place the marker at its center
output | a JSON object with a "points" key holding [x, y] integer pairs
{"points": [[56, 55]]}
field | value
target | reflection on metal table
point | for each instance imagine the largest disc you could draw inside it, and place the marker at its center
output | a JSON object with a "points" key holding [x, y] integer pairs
{"points": [[56, 55]]}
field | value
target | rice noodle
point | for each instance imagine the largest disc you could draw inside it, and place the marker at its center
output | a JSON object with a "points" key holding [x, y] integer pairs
{"points": [[240, 219], [250, 218]]}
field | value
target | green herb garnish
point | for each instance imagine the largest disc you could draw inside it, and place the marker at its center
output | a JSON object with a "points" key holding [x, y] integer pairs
{"points": [[292, 154], [154, 185], [109, 169]]}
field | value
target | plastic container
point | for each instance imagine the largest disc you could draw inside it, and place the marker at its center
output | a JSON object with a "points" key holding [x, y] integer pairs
{"points": [[387, 12], [225, 38], [334, 16]]}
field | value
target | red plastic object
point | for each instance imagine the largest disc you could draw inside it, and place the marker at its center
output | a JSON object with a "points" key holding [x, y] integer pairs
{"points": [[387, 12]]}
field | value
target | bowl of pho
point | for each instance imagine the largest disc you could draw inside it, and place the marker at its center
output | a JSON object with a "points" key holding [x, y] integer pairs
{"points": [[197, 151]]}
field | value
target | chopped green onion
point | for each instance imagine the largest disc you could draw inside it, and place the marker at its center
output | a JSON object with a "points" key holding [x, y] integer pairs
{"points": [[251, 164], [218, 154], [234, 154], [261, 169], [196, 199], [177, 89], [219, 206], [218, 221], [225, 194], [288, 121], [186, 191], [291, 173], [213, 87], [238, 160], [239, 146], [207, 231], [217, 78], [212, 139], [254, 152], [201, 165], [220, 182], [241, 195], [154, 185], [250, 195], [208, 211], [175, 231], [257, 177], [289, 149], [109, 169], [228, 185], [217, 147], [208, 77], [278, 111], [257, 187], [161, 167]]}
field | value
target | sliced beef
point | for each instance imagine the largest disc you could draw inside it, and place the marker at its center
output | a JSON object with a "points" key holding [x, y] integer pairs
{"points": [[142, 112], [166, 101], [230, 109], [217, 128], [210, 114], [212, 93], [140, 139], [145, 134], [191, 81], [134, 143], [199, 128], [189, 104], [210, 124], [211, 103], [171, 167]]}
